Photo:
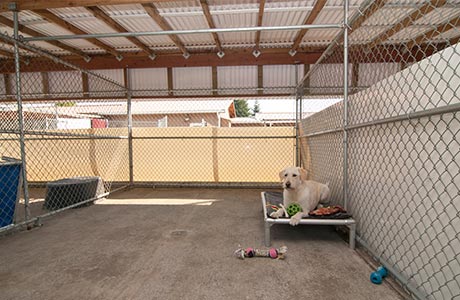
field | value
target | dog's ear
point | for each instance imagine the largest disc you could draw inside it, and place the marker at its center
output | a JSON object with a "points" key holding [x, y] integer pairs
{"points": [[303, 174], [281, 174]]}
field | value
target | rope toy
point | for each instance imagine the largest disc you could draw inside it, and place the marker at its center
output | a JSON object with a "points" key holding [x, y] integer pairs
{"points": [[274, 253]]}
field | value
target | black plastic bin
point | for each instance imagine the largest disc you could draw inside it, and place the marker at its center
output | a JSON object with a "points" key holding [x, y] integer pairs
{"points": [[64, 192]]}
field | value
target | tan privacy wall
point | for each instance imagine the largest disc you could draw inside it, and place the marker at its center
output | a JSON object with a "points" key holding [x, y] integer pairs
{"points": [[212, 154], [161, 154]]}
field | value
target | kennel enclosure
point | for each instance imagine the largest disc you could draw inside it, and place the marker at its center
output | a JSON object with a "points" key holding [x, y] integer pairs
{"points": [[388, 144]]}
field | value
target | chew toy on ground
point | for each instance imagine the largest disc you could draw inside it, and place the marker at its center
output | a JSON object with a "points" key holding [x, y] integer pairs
{"points": [[254, 252]]}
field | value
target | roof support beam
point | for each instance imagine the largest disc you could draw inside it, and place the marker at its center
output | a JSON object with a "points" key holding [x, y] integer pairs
{"points": [[172, 60], [407, 21], [446, 26], [215, 82], [45, 83], [101, 15], [259, 23], [34, 33], [207, 14], [8, 54], [44, 4], [260, 79], [152, 11], [50, 17], [310, 19]]}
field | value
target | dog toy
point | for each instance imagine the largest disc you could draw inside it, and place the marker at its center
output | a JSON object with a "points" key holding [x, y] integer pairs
{"points": [[378, 275], [293, 208], [254, 252]]}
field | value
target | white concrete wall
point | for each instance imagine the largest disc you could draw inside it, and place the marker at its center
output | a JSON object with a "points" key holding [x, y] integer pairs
{"points": [[404, 183]]}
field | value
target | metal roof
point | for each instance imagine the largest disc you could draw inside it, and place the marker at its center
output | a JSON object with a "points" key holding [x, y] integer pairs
{"points": [[189, 15]]}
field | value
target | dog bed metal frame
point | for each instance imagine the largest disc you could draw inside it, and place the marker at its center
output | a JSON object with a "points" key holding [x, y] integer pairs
{"points": [[269, 222]]}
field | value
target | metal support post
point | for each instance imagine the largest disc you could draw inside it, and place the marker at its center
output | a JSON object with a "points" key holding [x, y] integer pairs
{"points": [[345, 104], [20, 112], [130, 126]]}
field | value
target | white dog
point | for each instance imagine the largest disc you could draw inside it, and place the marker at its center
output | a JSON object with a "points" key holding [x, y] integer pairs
{"points": [[297, 189]]}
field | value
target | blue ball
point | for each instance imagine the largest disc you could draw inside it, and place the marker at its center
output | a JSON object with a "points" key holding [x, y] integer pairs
{"points": [[377, 276]]}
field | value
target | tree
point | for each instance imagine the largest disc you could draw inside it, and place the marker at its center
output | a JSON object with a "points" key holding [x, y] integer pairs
{"points": [[256, 108], [66, 104], [242, 108]]}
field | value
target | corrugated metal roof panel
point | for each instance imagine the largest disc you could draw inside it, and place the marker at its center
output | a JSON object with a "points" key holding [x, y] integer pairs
{"points": [[281, 18], [236, 20], [319, 37], [149, 79], [438, 16], [281, 75], [191, 22], [134, 18], [83, 19], [387, 15], [192, 78], [114, 74], [236, 78], [176, 5]]}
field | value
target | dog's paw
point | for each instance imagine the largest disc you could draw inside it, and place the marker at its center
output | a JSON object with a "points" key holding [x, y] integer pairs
{"points": [[295, 220]]}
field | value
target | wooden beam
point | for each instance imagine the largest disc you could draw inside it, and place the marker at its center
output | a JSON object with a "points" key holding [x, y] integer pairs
{"points": [[102, 16], [170, 81], [259, 22], [207, 14], [34, 33], [444, 27], [407, 21], [215, 84], [168, 60], [306, 83], [8, 86], [52, 18], [152, 11], [44, 4], [8, 54], [85, 84], [309, 20], [354, 77], [45, 83], [260, 79]]}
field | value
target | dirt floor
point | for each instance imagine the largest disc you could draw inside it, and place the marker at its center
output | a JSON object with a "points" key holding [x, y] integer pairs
{"points": [[179, 244]]}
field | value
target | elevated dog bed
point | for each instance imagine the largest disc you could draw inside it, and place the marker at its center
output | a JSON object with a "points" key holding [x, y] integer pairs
{"points": [[270, 199]]}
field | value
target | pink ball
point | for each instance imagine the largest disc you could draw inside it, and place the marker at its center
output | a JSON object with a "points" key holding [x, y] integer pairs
{"points": [[273, 253]]}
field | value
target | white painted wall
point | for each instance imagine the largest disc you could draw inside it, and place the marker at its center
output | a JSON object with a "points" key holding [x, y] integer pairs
{"points": [[404, 183]]}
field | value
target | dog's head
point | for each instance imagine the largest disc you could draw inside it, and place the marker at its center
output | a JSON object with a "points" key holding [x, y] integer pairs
{"points": [[292, 177]]}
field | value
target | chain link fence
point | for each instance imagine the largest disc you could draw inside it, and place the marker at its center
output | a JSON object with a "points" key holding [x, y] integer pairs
{"points": [[70, 154], [402, 148]]}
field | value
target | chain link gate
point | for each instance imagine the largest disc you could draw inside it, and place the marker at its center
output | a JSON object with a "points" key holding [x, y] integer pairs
{"points": [[66, 147], [401, 149]]}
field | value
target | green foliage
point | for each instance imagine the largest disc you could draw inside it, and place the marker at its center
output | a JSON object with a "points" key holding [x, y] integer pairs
{"points": [[242, 108], [256, 108], [66, 104]]}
